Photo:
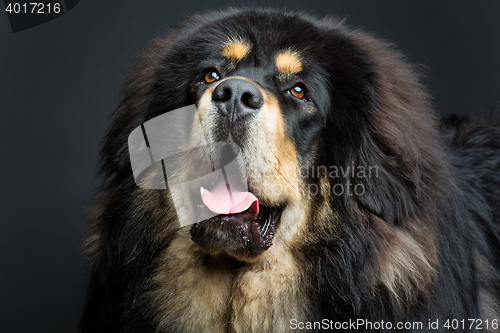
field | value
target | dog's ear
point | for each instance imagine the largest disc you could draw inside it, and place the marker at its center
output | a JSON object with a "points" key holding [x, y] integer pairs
{"points": [[149, 91], [403, 143], [382, 129], [134, 101]]}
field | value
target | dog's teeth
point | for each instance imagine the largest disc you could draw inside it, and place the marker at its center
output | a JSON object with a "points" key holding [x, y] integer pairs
{"points": [[201, 191]]}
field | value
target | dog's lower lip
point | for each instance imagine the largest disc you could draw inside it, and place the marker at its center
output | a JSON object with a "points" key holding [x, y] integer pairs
{"points": [[256, 231], [262, 229]]}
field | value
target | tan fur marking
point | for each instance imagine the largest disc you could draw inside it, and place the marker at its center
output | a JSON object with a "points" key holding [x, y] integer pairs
{"points": [[195, 295], [288, 62], [235, 50], [276, 153], [285, 150], [407, 264], [268, 293]]}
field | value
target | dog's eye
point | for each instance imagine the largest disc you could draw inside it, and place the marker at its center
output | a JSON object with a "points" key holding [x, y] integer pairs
{"points": [[298, 91], [211, 76]]}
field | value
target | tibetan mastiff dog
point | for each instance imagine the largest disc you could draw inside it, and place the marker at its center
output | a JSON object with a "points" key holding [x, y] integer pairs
{"points": [[361, 212]]}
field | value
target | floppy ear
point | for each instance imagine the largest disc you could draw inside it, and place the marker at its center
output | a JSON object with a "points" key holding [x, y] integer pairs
{"points": [[149, 89], [146, 92], [381, 130], [382, 123], [135, 99], [403, 143]]}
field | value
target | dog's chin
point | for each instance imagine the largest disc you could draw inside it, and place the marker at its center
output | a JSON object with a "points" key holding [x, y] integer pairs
{"points": [[243, 235]]}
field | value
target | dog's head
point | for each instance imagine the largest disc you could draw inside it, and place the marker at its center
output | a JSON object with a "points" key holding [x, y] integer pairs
{"points": [[269, 96], [329, 124]]}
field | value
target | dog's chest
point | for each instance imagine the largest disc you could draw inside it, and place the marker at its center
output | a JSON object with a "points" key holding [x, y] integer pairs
{"points": [[195, 297]]}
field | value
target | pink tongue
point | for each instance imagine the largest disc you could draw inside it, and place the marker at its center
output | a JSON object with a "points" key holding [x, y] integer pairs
{"points": [[222, 200]]}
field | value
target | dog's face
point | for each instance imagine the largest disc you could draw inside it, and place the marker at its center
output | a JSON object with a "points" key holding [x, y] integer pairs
{"points": [[262, 84], [254, 96]]}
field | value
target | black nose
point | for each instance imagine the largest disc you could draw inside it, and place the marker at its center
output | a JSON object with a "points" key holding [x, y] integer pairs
{"points": [[237, 98]]}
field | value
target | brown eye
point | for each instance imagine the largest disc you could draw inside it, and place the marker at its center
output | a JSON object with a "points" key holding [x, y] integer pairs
{"points": [[210, 77], [298, 91]]}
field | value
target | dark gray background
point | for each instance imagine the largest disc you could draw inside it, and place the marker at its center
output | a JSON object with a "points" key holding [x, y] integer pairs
{"points": [[58, 85]]}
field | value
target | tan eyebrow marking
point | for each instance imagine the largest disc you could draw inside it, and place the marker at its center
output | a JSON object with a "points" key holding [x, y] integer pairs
{"points": [[288, 62], [235, 49]]}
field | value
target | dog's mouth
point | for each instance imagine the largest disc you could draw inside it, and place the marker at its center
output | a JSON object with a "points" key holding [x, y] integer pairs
{"points": [[243, 227], [240, 234]]}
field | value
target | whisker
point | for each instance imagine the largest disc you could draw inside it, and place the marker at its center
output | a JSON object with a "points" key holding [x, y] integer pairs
{"points": [[276, 176], [282, 174]]}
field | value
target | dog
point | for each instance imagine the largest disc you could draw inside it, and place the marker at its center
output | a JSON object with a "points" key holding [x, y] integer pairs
{"points": [[361, 211]]}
